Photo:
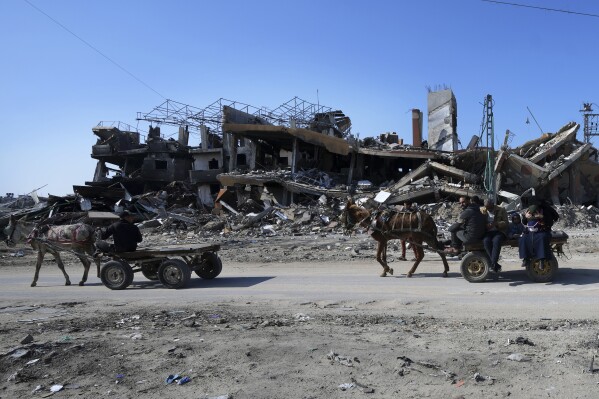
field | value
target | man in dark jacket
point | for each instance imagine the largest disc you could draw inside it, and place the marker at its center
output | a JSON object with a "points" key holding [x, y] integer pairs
{"points": [[470, 227], [497, 230], [125, 234]]}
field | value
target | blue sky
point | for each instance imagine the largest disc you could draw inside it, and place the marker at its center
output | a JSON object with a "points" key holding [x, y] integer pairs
{"points": [[373, 60]]}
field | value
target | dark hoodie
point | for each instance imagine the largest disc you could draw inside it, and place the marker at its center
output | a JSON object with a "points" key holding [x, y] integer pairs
{"points": [[474, 222]]}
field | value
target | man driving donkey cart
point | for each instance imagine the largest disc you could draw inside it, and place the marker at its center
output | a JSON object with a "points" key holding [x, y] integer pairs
{"points": [[484, 230]]}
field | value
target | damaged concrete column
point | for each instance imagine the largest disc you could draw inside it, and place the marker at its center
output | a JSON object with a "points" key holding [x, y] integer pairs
{"points": [[359, 167], [183, 136], [204, 137], [416, 128], [232, 151], [442, 121], [352, 165], [574, 184], [294, 150], [294, 154]]}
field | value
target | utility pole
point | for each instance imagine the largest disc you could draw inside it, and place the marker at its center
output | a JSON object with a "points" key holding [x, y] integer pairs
{"points": [[489, 175], [591, 122]]}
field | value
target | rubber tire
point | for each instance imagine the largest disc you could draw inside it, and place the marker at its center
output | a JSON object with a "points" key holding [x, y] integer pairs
{"points": [[174, 273], [211, 267], [542, 276], [150, 270], [116, 275], [475, 267]]}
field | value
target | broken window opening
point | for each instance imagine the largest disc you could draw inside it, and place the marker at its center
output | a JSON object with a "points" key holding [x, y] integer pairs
{"points": [[241, 160], [160, 165], [213, 164]]}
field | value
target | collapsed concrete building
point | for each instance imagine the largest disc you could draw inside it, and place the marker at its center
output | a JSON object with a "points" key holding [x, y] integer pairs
{"points": [[301, 151]]}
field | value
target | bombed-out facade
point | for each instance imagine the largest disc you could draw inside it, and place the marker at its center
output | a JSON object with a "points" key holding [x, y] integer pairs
{"points": [[307, 151]]}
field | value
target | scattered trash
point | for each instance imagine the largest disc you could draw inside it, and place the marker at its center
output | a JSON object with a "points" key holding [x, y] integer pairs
{"points": [[363, 387], [343, 360], [119, 378], [18, 254], [27, 340], [56, 388], [479, 378], [301, 317], [38, 388], [269, 230], [19, 353], [66, 338], [518, 357], [520, 341], [346, 386], [172, 378], [183, 380], [13, 376], [136, 336], [34, 361]]}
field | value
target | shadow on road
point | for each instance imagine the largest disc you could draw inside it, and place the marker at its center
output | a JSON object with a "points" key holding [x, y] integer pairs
{"points": [[565, 276], [221, 282], [427, 274]]}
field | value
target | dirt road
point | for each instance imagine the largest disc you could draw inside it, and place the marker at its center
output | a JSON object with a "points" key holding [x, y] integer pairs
{"points": [[325, 327], [574, 293]]}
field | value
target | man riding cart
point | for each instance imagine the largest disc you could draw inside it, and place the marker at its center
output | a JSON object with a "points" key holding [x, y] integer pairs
{"points": [[538, 244]]}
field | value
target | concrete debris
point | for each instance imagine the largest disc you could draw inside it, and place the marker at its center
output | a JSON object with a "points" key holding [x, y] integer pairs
{"points": [[256, 178], [518, 357], [343, 360], [27, 339]]}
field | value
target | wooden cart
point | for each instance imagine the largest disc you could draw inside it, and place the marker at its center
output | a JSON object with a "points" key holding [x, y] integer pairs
{"points": [[476, 265], [171, 265]]}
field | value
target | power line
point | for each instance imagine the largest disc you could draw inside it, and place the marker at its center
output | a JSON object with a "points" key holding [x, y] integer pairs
{"points": [[542, 8], [95, 49]]}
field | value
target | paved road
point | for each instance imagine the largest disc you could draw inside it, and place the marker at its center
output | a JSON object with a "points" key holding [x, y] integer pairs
{"points": [[574, 294]]}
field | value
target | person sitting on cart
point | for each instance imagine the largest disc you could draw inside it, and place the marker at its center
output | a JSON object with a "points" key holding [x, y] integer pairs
{"points": [[516, 227], [470, 227], [535, 241], [497, 230], [125, 234]]}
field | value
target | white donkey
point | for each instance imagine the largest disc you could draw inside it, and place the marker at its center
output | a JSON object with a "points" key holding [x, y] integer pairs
{"points": [[78, 238]]}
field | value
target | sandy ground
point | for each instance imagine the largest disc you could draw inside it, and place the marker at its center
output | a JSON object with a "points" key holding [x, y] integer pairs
{"points": [[315, 321]]}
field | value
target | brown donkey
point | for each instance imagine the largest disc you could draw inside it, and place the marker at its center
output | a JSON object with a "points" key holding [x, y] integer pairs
{"points": [[414, 227]]}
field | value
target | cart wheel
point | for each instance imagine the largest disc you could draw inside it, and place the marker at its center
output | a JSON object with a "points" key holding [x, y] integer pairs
{"points": [[116, 275], [211, 266], [150, 270], [174, 273], [475, 266], [542, 270]]}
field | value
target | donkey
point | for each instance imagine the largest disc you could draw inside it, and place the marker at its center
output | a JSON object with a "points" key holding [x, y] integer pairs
{"points": [[415, 227], [78, 238]]}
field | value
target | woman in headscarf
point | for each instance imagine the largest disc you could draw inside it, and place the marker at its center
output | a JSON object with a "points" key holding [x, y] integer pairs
{"points": [[535, 240]]}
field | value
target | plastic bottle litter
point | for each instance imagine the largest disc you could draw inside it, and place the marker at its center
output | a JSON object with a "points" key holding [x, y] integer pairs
{"points": [[183, 380]]}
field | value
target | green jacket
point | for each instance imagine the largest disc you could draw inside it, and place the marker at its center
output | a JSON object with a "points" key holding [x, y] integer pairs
{"points": [[500, 221]]}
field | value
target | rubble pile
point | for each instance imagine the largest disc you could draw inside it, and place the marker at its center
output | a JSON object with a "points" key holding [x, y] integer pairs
{"points": [[261, 179], [176, 214]]}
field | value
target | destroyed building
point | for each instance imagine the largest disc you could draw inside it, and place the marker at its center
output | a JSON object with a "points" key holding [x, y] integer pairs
{"points": [[231, 166], [301, 151]]}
